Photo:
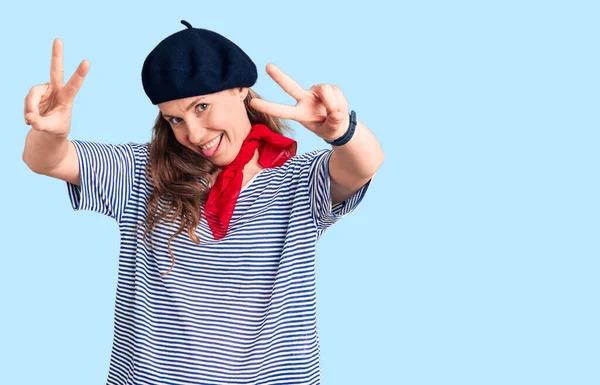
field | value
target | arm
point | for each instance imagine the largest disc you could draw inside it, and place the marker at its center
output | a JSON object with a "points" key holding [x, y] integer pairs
{"points": [[51, 155], [48, 109], [354, 163], [324, 110]]}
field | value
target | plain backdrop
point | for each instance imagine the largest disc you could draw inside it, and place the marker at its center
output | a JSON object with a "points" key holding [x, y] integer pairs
{"points": [[474, 256]]}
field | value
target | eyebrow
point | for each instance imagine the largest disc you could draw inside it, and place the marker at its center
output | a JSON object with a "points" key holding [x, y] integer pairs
{"points": [[188, 108]]}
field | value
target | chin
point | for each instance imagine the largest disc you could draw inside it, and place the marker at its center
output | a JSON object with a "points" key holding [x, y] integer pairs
{"points": [[221, 161]]}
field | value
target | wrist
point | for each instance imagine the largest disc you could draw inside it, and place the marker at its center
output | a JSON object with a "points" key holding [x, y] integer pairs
{"points": [[344, 137]]}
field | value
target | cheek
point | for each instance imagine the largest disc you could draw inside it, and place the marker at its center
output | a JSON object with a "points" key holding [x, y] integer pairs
{"points": [[181, 137], [219, 118]]}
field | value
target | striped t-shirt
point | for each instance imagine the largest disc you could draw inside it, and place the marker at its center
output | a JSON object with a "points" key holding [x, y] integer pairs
{"points": [[240, 310]]}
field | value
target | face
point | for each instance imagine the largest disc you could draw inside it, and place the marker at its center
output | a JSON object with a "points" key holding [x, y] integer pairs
{"points": [[214, 125]]}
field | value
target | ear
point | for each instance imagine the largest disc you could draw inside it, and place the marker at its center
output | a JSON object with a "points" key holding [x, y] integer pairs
{"points": [[243, 91]]}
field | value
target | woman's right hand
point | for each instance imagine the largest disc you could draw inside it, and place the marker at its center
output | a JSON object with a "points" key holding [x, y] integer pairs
{"points": [[48, 106]]}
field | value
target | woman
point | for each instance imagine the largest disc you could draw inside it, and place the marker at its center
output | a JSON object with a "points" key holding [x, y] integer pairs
{"points": [[236, 303]]}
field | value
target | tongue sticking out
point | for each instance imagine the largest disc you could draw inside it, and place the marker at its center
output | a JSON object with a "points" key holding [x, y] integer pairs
{"points": [[212, 151]]}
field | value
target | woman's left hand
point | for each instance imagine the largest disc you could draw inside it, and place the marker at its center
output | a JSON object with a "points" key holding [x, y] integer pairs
{"points": [[323, 109]]}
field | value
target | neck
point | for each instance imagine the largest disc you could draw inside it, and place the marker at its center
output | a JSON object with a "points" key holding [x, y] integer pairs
{"points": [[253, 164], [251, 168]]}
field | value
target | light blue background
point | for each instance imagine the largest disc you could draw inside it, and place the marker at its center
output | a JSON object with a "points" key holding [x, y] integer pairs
{"points": [[474, 257]]}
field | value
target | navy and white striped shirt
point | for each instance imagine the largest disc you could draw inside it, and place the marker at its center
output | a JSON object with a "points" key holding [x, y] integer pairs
{"points": [[240, 310]]}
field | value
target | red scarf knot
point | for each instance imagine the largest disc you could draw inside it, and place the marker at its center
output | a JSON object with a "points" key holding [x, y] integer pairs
{"points": [[274, 150]]}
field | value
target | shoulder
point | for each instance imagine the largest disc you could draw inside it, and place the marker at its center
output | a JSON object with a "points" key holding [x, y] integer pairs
{"points": [[140, 151], [304, 161], [99, 148], [299, 169]]}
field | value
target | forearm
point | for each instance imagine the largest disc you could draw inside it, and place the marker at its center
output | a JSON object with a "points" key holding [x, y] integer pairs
{"points": [[362, 155], [44, 151]]}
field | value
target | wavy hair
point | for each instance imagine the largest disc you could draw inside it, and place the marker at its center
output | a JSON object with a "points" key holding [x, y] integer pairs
{"points": [[180, 176]]}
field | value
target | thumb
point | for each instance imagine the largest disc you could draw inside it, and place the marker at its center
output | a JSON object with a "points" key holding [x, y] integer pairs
{"points": [[335, 120], [50, 124], [32, 119]]}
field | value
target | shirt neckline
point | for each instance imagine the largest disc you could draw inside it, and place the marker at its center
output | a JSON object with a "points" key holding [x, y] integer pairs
{"points": [[251, 181]]}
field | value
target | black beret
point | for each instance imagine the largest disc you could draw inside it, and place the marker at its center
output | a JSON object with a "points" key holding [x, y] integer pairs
{"points": [[195, 61]]}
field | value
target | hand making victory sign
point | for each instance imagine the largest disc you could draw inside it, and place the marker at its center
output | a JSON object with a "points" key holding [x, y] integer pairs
{"points": [[323, 109], [48, 107]]}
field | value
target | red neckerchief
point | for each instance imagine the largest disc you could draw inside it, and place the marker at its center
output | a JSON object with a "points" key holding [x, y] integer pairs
{"points": [[274, 150]]}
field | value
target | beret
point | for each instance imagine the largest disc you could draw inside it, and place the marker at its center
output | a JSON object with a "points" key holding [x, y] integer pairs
{"points": [[195, 61]]}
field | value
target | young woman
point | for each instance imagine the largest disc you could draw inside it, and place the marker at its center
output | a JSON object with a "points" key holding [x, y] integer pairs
{"points": [[227, 297]]}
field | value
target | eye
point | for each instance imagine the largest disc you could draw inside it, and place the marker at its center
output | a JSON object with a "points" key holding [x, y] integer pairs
{"points": [[175, 123]]}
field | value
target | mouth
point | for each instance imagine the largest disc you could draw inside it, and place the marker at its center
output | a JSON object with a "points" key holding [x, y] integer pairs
{"points": [[211, 148]]}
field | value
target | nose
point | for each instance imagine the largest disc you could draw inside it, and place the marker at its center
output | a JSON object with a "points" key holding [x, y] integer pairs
{"points": [[195, 134]]}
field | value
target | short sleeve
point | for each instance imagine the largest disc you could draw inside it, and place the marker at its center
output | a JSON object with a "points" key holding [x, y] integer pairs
{"points": [[319, 191], [107, 173]]}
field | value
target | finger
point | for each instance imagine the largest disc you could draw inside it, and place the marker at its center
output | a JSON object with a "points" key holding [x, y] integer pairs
{"points": [[335, 120], [33, 120], [32, 101], [56, 64], [342, 102], [25, 111], [44, 123], [76, 80], [288, 84], [275, 109], [327, 95]]}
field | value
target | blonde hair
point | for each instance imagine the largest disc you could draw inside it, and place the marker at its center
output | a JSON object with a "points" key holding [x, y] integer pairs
{"points": [[180, 176]]}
